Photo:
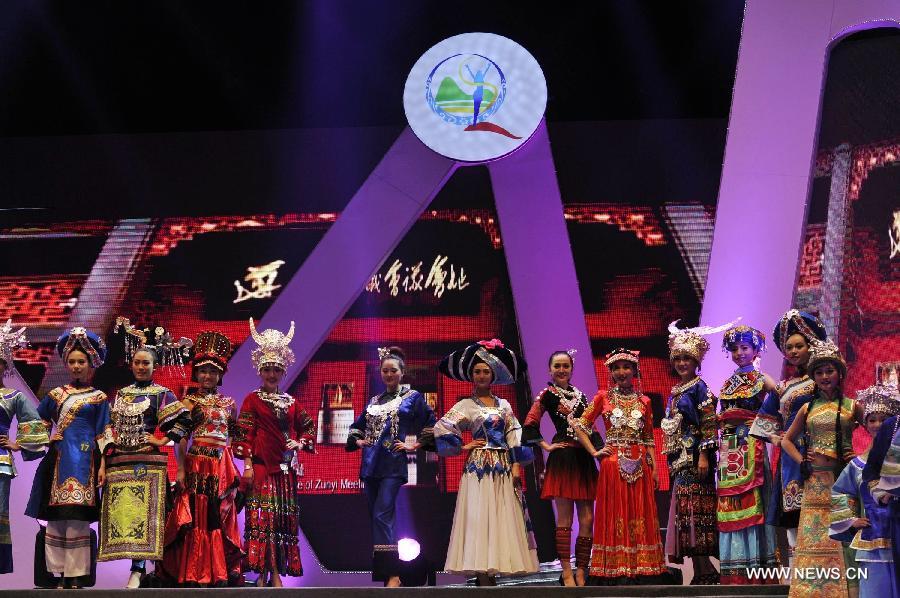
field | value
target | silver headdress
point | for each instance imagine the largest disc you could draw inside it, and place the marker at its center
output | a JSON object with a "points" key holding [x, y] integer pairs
{"points": [[10, 340], [821, 352], [168, 350], [879, 398], [273, 347], [690, 341]]}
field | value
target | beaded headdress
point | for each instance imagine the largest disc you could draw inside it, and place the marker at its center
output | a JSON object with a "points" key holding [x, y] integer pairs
{"points": [[690, 341], [505, 364], [744, 334], [83, 340], [621, 354], [795, 321], [168, 350], [879, 398], [821, 352], [273, 347], [10, 340], [212, 348]]}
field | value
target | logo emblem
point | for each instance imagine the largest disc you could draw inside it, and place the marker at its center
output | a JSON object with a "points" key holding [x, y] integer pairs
{"points": [[470, 110], [475, 97]]}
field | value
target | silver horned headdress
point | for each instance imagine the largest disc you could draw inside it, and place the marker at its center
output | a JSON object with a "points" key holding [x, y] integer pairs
{"points": [[273, 347]]}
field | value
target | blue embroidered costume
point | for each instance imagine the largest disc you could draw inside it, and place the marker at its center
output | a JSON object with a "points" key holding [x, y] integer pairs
{"points": [[31, 436], [851, 498], [65, 489], [775, 417], [388, 418], [882, 475]]}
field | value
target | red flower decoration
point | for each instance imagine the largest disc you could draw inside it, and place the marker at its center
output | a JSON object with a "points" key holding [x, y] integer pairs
{"points": [[494, 343]]}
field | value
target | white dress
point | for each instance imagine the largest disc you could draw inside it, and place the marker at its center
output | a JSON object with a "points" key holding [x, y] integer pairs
{"points": [[489, 528]]}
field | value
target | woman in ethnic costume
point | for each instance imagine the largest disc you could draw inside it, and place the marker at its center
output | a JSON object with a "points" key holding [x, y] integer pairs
{"points": [[745, 540], [136, 471], [381, 431], [793, 333], [882, 475], [31, 435], [828, 420], [627, 547], [856, 517], [490, 534], [270, 429], [202, 543], [570, 477], [690, 441], [64, 493]]}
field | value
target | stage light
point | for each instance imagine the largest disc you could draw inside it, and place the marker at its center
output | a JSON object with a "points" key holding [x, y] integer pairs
{"points": [[415, 569], [408, 548]]}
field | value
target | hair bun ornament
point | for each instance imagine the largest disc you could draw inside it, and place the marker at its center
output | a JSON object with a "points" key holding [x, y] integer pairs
{"points": [[383, 353], [571, 353]]}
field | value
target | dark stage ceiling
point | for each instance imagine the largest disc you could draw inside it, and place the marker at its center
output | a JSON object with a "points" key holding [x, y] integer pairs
{"points": [[88, 67]]}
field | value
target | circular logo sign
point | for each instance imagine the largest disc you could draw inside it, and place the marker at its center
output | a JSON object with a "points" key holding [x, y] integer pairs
{"points": [[475, 97]]}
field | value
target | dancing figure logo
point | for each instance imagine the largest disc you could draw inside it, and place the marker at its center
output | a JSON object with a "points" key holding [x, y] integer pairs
{"points": [[475, 97], [470, 110]]}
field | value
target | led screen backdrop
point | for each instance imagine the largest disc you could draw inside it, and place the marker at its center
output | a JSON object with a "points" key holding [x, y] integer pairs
{"points": [[850, 265]]}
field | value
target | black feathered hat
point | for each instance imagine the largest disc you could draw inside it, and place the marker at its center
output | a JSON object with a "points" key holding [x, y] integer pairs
{"points": [[505, 364]]}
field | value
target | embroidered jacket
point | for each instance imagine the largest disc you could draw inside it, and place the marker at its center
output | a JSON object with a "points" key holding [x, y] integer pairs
{"points": [[138, 409], [564, 406], [496, 425], [387, 418], [265, 424], [31, 431]]}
